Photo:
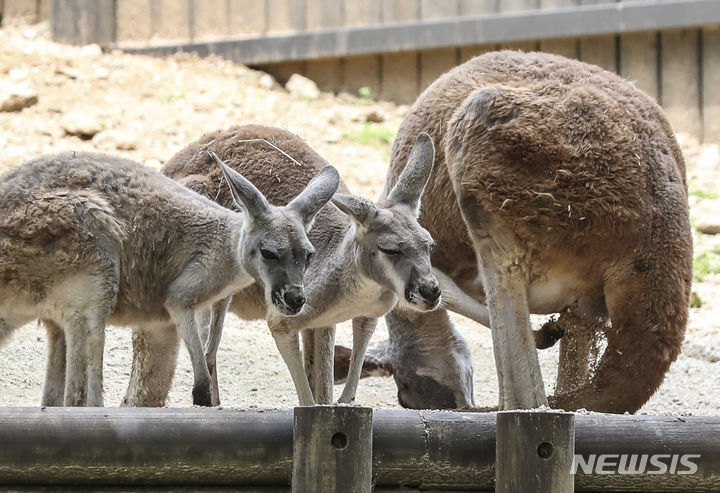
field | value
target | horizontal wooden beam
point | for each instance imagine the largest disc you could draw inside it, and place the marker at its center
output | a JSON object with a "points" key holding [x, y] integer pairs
{"points": [[587, 20], [416, 449]]}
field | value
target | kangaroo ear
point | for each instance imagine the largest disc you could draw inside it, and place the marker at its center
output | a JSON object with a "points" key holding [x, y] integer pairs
{"points": [[317, 193], [244, 193], [361, 210], [411, 184]]}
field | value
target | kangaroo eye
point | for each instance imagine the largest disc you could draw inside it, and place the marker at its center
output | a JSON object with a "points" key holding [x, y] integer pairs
{"points": [[268, 254], [387, 251]]}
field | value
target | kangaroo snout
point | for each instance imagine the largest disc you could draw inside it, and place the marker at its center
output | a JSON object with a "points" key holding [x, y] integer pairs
{"points": [[424, 295], [289, 300], [431, 292]]}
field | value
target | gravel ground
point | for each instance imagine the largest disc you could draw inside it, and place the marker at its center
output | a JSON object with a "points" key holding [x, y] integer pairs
{"points": [[147, 109]]}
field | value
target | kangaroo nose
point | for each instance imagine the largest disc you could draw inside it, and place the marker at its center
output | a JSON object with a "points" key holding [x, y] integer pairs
{"points": [[431, 292], [294, 297]]}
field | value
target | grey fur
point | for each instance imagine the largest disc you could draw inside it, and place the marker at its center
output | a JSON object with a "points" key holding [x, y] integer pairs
{"points": [[88, 239], [349, 277]]}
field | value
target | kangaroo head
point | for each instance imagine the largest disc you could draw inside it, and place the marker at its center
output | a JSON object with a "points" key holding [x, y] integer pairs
{"points": [[394, 249], [275, 249]]}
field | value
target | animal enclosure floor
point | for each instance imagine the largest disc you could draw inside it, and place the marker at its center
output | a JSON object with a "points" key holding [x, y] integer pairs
{"points": [[147, 109]]}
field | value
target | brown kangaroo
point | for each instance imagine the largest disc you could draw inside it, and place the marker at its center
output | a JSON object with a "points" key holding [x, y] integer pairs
{"points": [[557, 187]]}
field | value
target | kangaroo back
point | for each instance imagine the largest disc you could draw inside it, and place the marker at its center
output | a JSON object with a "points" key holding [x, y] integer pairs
{"points": [[583, 168]]}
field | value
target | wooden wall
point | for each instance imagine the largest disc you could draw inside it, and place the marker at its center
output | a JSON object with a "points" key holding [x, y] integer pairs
{"points": [[25, 10], [680, 68]]}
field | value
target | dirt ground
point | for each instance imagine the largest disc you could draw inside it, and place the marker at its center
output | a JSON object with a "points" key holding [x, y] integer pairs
{"points": [[147, 109]]}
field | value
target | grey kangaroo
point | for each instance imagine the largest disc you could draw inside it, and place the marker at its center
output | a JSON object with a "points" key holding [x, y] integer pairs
{"points": [[88, 239], [369, 256]]}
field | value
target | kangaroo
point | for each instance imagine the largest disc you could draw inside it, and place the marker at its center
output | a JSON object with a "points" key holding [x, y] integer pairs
{"points": [[369, 257], [558, 187], [88, 239]]}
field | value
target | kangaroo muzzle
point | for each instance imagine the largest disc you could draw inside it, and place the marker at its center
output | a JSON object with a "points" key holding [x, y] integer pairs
{"points": [[425, 295], [289, 299]]}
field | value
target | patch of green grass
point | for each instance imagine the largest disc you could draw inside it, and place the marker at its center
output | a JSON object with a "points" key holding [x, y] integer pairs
{"points": [[172, 95], [695, 301], [706, 263], [365, 93], [373, 135], [704, 194]]}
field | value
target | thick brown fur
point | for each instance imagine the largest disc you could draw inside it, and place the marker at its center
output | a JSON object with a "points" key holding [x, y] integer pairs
{"points": [[583, 171]]}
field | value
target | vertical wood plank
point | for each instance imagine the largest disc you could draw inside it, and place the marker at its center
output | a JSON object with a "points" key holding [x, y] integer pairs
{"points": [[247, 17], [134, 22], [285, 15], [638, 60], [362, 71], [400, 11], [515, 6], [476, 7], [600, 51], [680, 81], [25, 10], [434, 63], [210, 19], [400, 81], [468, 52], [171, 19], [567, 47], [283, 71], [400, 75], [332, 449], [83, 22], [44, 10], [327, 73], [711, 84], [534, 452], [363, 13], [519, 46], [321, 14], [432, 9]]}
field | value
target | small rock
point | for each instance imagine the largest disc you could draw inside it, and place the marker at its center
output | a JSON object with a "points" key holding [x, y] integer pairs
{"points": [[708, 225], [18, 74], [91, 51], [15, 98], [30, 33], [102, 73], [68, 72], [81, 124], [302, 87], [706, 216], [375, 117], [267, 82], [116, 139]]}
